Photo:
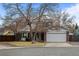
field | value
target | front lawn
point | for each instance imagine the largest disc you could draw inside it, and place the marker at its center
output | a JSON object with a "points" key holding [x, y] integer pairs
{"points": [[27, 44]]}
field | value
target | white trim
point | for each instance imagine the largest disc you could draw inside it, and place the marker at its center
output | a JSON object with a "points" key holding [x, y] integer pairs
{"points": [[70, 33]]}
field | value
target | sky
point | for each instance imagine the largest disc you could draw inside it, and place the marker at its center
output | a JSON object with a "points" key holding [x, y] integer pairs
{"points": [[71, 8]]}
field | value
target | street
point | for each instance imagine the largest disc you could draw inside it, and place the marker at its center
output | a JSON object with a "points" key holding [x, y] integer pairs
{"points": [[52, 51]]}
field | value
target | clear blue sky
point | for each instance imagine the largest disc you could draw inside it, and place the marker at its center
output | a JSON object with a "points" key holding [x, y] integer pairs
{"points": [[63, 6]]}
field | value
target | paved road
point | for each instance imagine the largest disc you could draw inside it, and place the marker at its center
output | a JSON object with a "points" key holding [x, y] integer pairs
{"points": [[54, 51]]}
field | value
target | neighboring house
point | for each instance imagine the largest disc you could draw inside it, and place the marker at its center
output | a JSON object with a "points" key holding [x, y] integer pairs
{"points": [[1, 30]]}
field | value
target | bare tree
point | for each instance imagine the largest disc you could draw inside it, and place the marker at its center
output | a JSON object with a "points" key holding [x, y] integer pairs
{"points": [[16, 10]]}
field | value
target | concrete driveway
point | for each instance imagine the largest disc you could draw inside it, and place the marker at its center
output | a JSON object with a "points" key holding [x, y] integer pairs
{"points": [[62, 44]]}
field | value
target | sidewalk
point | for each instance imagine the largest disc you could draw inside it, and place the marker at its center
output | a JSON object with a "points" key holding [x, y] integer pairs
{"points": [[4, 45]]}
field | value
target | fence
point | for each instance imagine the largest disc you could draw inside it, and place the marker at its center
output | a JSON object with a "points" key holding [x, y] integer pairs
{"points": [[7, 38], [18, 37]]}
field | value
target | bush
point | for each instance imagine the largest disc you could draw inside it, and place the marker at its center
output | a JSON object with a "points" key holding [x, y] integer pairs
{"points": [[76, 34]]}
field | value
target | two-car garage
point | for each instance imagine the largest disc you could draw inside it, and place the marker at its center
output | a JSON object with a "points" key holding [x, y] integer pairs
{"points": [[56, 36]]}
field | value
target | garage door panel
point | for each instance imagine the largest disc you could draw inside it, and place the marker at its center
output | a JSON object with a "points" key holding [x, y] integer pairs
{"points": [[56, 37]]}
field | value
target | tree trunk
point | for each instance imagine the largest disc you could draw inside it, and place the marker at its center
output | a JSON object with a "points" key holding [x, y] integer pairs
{"points": [[33, 41]]}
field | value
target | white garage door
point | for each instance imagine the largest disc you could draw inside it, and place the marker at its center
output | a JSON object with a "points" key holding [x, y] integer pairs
{"points": [[56, 37]]}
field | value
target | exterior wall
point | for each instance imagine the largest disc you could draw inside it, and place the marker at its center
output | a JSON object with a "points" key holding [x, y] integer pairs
{"points": [[56, 37]]}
